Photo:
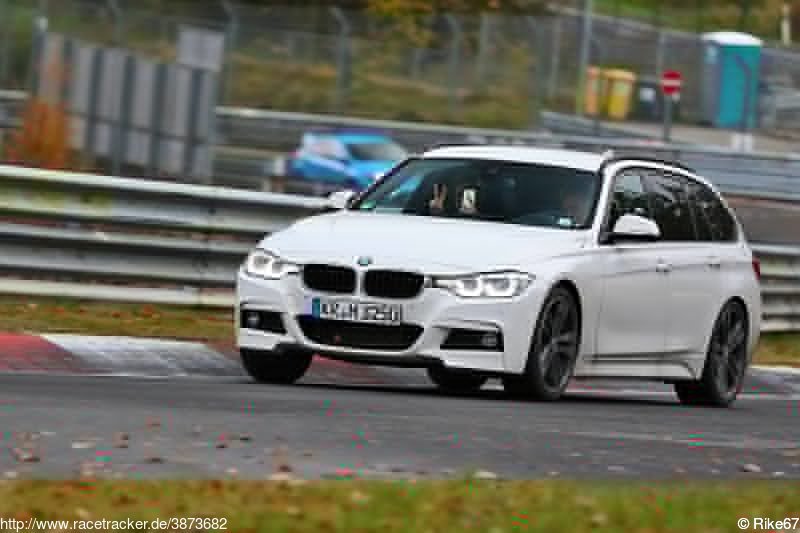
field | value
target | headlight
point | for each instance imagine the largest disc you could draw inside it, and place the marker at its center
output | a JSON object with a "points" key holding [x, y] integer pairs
{"points": [[491, 285], [266, 265]]}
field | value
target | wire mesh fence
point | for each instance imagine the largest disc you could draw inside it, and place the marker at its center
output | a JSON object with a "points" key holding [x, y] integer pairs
{"points": [[487, 69]]}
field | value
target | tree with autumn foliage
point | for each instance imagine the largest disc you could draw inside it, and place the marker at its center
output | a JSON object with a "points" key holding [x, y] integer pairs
{"points": [[42, 141]]}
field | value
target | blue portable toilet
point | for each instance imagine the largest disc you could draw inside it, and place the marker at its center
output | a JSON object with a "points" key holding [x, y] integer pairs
{"points": [[730, 79]]}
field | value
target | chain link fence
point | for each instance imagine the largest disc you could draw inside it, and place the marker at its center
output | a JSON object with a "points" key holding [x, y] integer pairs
{"points": [[488, 70]]}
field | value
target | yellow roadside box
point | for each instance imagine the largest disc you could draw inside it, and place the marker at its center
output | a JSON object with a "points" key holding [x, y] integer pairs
{"points": [[594, 101], [620, 85]]}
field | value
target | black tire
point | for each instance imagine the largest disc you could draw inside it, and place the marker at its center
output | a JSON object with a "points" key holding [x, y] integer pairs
{"points": [[553, 351], [458, 381], [282, 368], [726, 362]]}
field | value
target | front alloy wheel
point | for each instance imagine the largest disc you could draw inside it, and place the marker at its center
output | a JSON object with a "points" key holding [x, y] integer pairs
{"points": [[726, 362], [282, 368], [554, 350]]}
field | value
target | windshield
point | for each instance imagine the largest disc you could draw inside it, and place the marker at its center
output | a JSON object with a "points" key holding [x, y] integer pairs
{"points": [[511, 193], [376, 151]]}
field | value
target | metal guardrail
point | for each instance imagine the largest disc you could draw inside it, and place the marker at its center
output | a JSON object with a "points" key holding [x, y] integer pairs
{"points": [[780, 287], [762, 174], [101, 231], [258, 136], [99, 237]]}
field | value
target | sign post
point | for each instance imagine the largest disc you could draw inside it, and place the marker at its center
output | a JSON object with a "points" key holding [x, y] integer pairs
{"points": [[671, 84]]}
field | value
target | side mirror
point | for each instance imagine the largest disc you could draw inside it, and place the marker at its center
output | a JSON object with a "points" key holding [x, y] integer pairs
{"points": [[340, 199], [633, 228]]}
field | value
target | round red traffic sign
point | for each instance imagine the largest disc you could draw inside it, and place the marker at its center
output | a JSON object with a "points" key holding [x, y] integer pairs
{"points": [[671, 82]]}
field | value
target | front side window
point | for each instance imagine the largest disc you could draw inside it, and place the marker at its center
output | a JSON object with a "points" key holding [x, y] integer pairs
{"points": [[671, 208], [497, 191]]}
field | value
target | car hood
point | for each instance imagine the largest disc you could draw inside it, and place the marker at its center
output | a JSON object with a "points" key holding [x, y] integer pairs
{"points": [[432, 245]]}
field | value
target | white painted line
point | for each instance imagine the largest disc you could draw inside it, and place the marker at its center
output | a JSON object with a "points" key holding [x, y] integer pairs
{"points": [[633, 393], [789, 370], [126, 355], [127, 375], [698, 441]]}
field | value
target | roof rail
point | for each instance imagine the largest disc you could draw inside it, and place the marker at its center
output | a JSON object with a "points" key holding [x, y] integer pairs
{"points": [[614, 158], [344, 130], [438, 145]]}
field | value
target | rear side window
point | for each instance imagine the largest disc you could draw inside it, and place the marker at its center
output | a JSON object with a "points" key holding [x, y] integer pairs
{"points": [[714, 222], [669, 199]]}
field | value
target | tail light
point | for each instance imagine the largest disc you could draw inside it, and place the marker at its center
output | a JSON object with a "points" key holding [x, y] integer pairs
{"points": [[757, 268]]}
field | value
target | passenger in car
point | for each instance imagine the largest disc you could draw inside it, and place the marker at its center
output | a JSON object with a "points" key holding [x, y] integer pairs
{"points": [[576, 204]]}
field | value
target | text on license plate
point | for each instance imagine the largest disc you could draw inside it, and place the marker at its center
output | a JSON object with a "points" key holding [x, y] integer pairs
{"points": [[378, 313]]}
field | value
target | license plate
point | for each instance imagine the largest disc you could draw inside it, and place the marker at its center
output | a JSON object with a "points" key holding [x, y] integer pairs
{"points": [[373, 313]]}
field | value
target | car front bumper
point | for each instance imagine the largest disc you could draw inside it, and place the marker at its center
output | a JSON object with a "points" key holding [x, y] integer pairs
{"points": [[437, 312]]}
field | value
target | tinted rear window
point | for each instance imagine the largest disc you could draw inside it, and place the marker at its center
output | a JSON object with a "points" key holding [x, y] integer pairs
{"points": [[669, 200], [714, 222]]}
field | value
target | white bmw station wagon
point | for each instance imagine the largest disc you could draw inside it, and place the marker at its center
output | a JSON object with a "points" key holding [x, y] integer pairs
{"points": [[528, 265]]}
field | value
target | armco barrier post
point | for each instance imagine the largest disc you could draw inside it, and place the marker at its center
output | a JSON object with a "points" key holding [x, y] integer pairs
{"points": [[454, 66], [158, 96], [584, 58], [6, 28], [343, 60], [231, 36], [484, 46], [555, 56], [93, 113], [37, 53], [116, 14], [661, 49], [190, 150], [536, 76], [123, 118]]}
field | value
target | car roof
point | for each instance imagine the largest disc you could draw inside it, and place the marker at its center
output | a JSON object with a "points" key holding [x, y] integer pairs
{"points": [[578, 160], [522, 154], [352, 138]]}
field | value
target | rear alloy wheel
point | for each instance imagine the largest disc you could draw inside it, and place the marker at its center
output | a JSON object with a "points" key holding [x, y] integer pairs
{"points": [[726, 362], [282, 368], [554, 350], [456, 380]]}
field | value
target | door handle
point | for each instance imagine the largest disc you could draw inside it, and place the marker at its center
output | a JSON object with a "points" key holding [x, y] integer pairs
{"points": [[715, 262], [663, 267]]}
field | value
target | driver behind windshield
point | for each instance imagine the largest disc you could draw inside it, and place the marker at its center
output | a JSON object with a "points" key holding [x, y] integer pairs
{"points": [[465, 198], [456, 194], [576, 205], [512, 193]]}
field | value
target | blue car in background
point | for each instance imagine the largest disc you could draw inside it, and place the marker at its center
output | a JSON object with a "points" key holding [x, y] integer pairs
{"points": [[349, 160]]}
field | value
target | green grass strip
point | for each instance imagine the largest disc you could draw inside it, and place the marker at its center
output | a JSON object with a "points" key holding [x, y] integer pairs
{"points": [[452, 506]]}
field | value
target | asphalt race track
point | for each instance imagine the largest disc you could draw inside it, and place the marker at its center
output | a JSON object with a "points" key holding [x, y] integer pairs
{"points": [[340, 422], [768, 221]]}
